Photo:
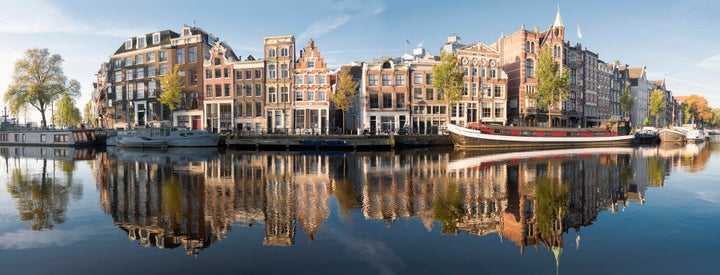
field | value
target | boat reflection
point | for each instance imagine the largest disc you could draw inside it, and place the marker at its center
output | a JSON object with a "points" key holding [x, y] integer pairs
{"points": [[530, 198]]}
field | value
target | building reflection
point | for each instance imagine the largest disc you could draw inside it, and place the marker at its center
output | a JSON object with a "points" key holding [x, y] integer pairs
{"points": [[191, 199]]}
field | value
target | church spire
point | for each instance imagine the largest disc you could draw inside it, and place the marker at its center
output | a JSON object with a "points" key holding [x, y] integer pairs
{"points": [[558, 20]]}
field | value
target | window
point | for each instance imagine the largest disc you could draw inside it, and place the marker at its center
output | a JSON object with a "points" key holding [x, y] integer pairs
{"points": [[141, 90], [529, 67], [499, 110], [162, 56], [493, 73], [417, 94], [298, 80], [272, 74], [284, 71], [400, 80], [238, 74], [272, 95], [239, 110], [248, 90], [151, 71], [156, 38], [284, 94], [218, 73], [387, 100], [118, 76], [474, 71], [482, 72], [465, 89], [428, 79], [226, 89], [465, 70], [117, 63], [258, 74], [300, 119], [386, 80], [218, 90], [321, 79], [474, 89], [128, 61], [258, 110], [163, 69], [248, 109], [311, 64], [487, 90], [129, 74], [258, 90], [150, 57], [372, 80], [226, 72], [119, 92], [140, 73], [152, 89], [417, 78], [128, 44], [208, 74], [322, 96], [429, 95], [498, 91], [181, 56], [573, 76], [141, 42], [271, 52], [284, 52], [310, 79], [374, 104], [298, 96], [400, 101], [208, 91], [139, 59], [130, 91], [486, 109], [310, 95], [192, 54]]}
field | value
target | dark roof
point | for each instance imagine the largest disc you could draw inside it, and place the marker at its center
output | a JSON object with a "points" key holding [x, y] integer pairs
{"points": [[165, 37]]}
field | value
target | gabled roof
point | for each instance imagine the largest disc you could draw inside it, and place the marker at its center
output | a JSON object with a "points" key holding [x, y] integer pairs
{"points": [[659, 83], [165, 37], [636, 73]]}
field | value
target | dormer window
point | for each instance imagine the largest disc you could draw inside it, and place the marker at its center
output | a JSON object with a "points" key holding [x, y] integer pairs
{"points": [[310, 54], [141, 42], [186, 31], [128, 44], [156, 38]]}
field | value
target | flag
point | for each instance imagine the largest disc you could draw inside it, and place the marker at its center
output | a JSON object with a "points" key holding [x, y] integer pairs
{"points": [[579, 34], [407, 41]]}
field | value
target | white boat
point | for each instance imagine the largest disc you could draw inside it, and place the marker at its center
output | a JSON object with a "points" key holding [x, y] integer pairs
{"points": [[140, 142], [38, 137], [171, 136], [672, 135], [481, 136], [694, 136]]}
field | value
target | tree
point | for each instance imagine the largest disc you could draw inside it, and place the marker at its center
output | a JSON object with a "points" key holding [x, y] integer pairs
{"points": [[87, 113], [626, 99], [345, 93], [696, 109], [38, 80], [170, 84], [552, 82], [657, 104], [448, 80], [67, 114]]}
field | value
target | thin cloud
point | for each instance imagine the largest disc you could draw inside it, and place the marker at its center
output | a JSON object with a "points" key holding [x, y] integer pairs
{"points": [[39, 16], [349, 9], [712, 62], [27, 239], [377, 254]]}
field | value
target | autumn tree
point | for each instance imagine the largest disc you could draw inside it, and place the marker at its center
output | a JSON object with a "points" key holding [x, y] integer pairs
{"points": [[448, 80], [657, 104], [696, 109], [626, 99], [344, 95], [38, 80], [553, 81], [170, 84]]}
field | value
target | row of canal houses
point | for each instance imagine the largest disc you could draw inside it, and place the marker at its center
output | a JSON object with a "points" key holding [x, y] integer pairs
{"points": [[289, 90]]}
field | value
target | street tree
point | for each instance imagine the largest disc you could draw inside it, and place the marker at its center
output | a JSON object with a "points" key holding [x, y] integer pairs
{"points": [[448, 80], [657, 104], [66, 113], [553, 81], [696, 109], [38, 80], [344, 95], [626, 99], [170, 84], [87, 115]]}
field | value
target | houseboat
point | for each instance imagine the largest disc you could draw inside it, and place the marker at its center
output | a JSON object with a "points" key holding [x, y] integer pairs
{"points": [[647, 135], [480, 136], [33, 137], [170, 136], [671, 135]]}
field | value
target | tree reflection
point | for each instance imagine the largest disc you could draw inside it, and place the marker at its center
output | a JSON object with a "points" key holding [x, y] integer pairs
{"points": [[656, 171], [41, 200], [552, 208], [448, 208]]}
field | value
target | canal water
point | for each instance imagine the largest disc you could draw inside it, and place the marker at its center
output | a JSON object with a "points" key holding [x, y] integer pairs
{"points": [[647, 210]]}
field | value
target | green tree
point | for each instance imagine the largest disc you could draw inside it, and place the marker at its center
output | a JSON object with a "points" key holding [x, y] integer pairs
{"points": [[344, 95], [448, 208], [38, 80], [657, 104], [87, 115], [552, 82], [626, 99], [66, 113], [448, 80], [170, 84]]}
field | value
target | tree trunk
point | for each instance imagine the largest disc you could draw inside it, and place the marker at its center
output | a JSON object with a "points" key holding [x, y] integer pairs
{"points": [[43, 122], [343, 122]]}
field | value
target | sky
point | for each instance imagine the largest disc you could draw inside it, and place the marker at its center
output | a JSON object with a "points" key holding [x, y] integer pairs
{"points": [[675, 40]]}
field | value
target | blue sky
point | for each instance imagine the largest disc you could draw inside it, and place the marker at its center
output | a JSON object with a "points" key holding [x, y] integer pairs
{"points": [[675, 40]]}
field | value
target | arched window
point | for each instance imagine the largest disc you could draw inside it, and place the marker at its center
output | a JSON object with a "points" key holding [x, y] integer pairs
{"points": [[529, 68]]}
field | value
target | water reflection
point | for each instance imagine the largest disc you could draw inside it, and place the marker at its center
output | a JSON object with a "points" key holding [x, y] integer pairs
{"points": [[42, 194], [190, 199]]}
